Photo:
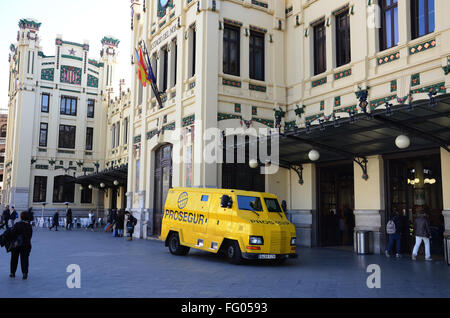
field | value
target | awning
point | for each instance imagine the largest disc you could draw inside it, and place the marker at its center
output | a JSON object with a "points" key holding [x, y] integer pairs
{"points": [[425, 122], [106, 176]]}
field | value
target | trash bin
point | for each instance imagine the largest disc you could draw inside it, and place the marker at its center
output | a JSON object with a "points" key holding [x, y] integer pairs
{"points": [[447, 249], [363, 242]]}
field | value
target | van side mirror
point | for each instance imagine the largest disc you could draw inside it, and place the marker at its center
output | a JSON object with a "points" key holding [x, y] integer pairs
{"points": [[226, 201]]}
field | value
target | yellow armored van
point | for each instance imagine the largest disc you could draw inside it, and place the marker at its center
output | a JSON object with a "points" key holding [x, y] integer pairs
{"points": [[239, 224]]}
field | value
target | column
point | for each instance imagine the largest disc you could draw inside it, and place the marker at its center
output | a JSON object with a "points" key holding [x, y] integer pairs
{"points": [[370, 201], [445, 167], [302, 205]]}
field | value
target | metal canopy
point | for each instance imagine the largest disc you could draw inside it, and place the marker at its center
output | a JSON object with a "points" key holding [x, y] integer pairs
{"points": [[427, 125], [107, 176]]}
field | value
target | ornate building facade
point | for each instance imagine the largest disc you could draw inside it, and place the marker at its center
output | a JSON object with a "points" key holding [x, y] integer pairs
{"points": [[344, 82], [58, 109]]}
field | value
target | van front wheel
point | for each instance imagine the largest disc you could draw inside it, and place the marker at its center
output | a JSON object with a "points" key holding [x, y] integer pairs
{"points": [[234, 254], [175, 247]]}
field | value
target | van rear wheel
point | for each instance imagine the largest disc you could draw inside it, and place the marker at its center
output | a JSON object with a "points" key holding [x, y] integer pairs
{"points": [[175, 247], [233, 253]]}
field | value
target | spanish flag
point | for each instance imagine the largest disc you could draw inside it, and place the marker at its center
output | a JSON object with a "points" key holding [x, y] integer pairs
{"points": [[142, 68]]}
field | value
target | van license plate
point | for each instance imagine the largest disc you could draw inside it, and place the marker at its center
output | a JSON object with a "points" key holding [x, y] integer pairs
{"points": [[267, 256]]}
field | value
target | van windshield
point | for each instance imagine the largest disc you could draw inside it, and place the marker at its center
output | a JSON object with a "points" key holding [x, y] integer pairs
{"points": [[249, 203], [272, 205]]}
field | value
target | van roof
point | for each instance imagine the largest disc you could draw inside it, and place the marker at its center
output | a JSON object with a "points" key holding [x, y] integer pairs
{"points": [[223, 191]]}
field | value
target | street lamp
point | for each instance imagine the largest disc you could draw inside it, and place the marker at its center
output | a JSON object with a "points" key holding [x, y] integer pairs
{"points": [[402, 142], [314, 155], [253, 163], [102, 185], [116, 183], [42, 213]]}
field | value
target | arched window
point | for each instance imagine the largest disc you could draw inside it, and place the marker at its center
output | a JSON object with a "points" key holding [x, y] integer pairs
{"points": [[63, 189]]}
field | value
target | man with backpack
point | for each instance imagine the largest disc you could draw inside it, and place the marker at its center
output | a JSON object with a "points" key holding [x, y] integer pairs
{"points": [[394, 231], [131, 223]]}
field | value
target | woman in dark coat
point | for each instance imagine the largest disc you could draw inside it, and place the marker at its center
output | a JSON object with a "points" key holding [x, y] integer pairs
{"points": [[22, 233], [69, 219], [120, 223], [55, 221]]}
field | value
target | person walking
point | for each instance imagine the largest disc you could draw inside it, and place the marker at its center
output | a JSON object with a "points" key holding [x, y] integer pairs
{"points": [[423, 234], [91, 220], [120, 223], [5, 218], [394, 230], [21, 233], [31, 215], [55, 221], [69, 220], [13, 216], [131, 223]]}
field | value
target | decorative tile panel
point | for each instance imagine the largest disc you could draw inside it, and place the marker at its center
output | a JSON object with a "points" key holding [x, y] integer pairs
{"points": [[92, 81], [319, 82], [415, 80], [422, 47], [48, 74], [393, 86], [257, 88], [438, 88], [70, 75], [342, 74], [190, 120], [388, 58], [231, 83]]}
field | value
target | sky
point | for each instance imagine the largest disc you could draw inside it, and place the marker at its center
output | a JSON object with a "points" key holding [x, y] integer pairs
{"points": [[76, 21]]}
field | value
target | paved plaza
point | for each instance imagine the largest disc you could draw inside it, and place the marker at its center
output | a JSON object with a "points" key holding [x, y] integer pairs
{"points": [[114, 267]]}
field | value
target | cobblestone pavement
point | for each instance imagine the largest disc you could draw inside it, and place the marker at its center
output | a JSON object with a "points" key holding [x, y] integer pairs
{"points": [[114, 267]]}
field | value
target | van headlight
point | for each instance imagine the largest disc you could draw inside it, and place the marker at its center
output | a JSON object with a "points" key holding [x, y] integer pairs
{"points": [[293, 241], [256, 240]]}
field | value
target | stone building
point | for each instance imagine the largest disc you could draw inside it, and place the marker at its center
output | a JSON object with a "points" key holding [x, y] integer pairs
{"points": [[357, 90], [58, 108]]}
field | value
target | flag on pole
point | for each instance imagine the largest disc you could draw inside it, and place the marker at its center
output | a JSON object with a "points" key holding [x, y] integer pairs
{"points": [[142, 71], [151, 76]]}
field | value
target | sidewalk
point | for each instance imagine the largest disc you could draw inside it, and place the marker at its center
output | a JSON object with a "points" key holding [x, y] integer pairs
{"points": [[114, 267]]}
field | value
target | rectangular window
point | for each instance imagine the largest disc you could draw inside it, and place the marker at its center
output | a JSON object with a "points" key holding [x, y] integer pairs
{"points": [[320, 49], [45, 102], [175, 63], [113, 136], [90, 108], [40, 189], [343, 49], [389, 33], [125, 131], [193, 52], [165, 69], [118, 134], [68, 106], [422, 18], [43, 133], [257, 59], [89, 138], [66, 136], [86, 195], [231, 50]]}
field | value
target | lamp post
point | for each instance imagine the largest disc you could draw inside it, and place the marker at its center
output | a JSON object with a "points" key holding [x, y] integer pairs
{"points": [[42, 212], [67, 208]]}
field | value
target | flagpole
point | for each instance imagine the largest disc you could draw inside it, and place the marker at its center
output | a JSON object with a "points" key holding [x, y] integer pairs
{"points": [[150, 71]]}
